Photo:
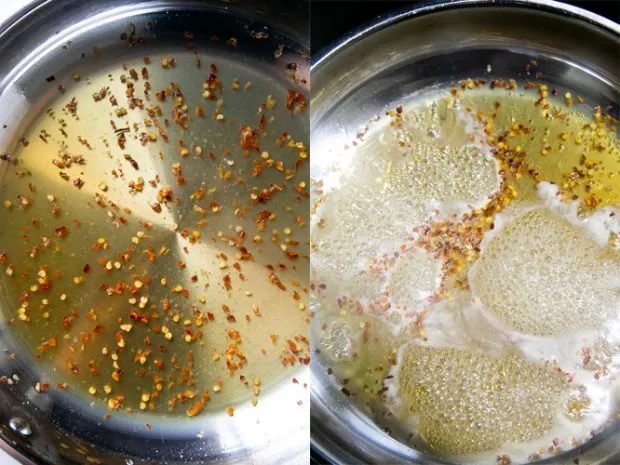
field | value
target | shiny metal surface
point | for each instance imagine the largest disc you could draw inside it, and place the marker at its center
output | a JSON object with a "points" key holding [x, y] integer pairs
{"points": [[54, 428], [10, 8], [432, 46]]}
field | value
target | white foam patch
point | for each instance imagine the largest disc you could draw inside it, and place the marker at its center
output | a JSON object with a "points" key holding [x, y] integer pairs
{"points": [[400, 178], [470, 401], [375, 216], [462, 324], [413, 279], [541, 275], [339, 341]]}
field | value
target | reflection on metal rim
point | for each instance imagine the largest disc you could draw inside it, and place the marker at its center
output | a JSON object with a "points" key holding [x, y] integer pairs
{"points": [[552, 6]]}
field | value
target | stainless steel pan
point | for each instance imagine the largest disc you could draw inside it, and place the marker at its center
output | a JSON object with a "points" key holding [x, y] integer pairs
{"points": [[41, 49], [404, 54]]}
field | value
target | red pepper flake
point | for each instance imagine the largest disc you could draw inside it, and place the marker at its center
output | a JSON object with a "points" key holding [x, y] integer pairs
{"points": [[261, 218], [266, 194], [366, 334], [167, 62], [86, 268], [259, 35], [52, 342], [72, 106], [294, 98], [586, 352], [245, 255], [226, 280], [67, 321], [43, 387], [282, 139], [234, 335], [195, 409], [248, 139], [258, 167], [131, 160], [273, 279]]}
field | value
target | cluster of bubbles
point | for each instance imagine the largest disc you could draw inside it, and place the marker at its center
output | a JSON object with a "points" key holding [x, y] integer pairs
{"points": [[468, 401], [545, 277]]}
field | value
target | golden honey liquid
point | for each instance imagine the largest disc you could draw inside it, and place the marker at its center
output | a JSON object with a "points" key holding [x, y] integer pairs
{"points": [[447, 291], [178, 296]]}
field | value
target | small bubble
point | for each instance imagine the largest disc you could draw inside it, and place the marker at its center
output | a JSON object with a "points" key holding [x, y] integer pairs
{"points": [[20, 426]]}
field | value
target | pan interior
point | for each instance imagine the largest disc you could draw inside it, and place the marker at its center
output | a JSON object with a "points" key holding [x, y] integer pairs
{"points": [[390, 155], [154, 241]]}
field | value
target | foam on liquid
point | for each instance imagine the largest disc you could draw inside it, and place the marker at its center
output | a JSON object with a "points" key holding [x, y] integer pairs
{"points": [[530, 354], [378, 202], [546, 287]]}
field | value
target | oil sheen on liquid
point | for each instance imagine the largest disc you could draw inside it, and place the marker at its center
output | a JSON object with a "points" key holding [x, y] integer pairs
{"points": [[154, 248]]}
